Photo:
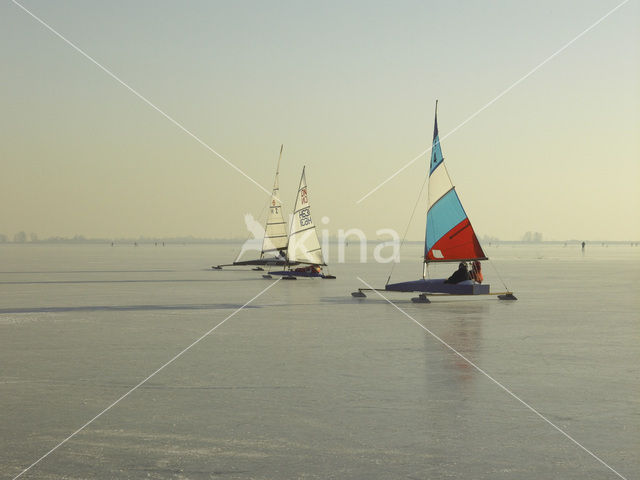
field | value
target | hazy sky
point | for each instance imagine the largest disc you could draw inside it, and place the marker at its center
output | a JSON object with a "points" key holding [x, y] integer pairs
{"points": [[348, 87]]}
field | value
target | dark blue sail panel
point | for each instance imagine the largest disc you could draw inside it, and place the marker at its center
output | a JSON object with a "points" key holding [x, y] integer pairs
{"points": [[436, 151]]}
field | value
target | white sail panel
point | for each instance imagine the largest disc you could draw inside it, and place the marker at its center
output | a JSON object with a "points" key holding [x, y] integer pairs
{"points": [[275, 231], [304, 246], [439, 184]]}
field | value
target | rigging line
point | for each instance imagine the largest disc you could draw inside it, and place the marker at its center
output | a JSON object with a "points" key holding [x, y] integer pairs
{"points": [[393, 264], [504, 284]]}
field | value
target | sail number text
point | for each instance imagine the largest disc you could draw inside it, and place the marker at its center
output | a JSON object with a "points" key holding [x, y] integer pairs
{"points": [[305, 217]]}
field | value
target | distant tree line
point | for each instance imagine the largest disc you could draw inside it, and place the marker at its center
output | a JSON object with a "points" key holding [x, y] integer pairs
{"points": [[22, 237], [488, 239], [532, 237]]}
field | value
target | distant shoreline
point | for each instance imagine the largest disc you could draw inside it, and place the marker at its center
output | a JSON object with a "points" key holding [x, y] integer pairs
{"points": [[236, 241]]}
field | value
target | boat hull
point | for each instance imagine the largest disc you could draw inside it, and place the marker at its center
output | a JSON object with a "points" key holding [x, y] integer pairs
{"points": [[265, 262], [437, 286], [293, 273]]}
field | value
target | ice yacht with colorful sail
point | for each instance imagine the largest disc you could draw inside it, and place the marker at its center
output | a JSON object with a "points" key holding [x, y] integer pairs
{"points": [[449, 237]]}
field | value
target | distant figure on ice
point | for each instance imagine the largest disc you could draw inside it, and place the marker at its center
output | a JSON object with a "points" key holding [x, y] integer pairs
{"points": [[583, 244], [459, 275]]}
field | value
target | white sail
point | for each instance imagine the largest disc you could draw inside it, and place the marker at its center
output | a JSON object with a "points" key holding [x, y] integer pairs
{"points": [[304, 246], [275, 231]]}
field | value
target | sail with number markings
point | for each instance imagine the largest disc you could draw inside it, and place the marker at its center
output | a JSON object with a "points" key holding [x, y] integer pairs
{"points": [[449, 236], [304, 246], [275, 231]]}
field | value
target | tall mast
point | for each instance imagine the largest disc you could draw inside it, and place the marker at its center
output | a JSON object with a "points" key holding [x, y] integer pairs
{"points": [[279, 158], [435, 133], [275, 230]]}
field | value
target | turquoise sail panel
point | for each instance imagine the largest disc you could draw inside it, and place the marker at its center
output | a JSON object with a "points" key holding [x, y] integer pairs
{"points": [[443, 217]]}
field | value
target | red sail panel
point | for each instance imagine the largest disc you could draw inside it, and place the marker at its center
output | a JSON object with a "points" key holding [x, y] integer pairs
{"points": [[460, 243]]}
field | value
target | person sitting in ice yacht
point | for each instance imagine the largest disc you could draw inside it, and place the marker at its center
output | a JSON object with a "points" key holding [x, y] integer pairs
{"points": [[309, 269], [460, 275], [476, 272]]}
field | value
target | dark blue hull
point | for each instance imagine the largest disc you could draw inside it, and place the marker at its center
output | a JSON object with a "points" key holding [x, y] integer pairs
{"points": [[437, 285], [293, 273]]}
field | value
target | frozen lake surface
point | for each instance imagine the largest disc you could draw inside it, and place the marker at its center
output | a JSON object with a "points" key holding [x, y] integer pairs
{"points": [[307, 382]]}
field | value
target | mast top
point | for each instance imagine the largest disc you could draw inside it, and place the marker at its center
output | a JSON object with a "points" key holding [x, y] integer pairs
{"points": [[279, 158]]}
